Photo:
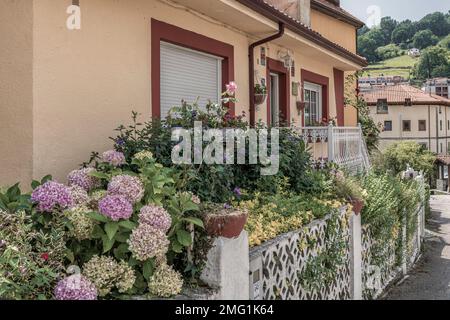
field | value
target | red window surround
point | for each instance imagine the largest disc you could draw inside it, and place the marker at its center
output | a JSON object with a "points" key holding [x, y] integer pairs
{"points": [[162, 31], [339, 93], [275, 66], [308, 76]]}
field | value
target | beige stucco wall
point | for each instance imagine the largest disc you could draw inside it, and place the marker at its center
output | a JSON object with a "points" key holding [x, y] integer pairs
{"points": [[70, 89], [87, 82], [16, 100], [337, 31], [324, 68], [433, 136]]}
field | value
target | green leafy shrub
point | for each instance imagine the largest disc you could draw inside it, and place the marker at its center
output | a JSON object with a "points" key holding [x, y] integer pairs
{"points": [[398, 156]]}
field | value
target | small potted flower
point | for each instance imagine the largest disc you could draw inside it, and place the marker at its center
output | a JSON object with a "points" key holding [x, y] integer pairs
{"points": [[349, 189], [260, 94]]}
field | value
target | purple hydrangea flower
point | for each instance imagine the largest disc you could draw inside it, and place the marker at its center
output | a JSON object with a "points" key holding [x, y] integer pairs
{"points": [[115, 207], [114, 158], [82, 179], [227, 206], [75, 287], [51, 195], [237, 192], [129, 187], [156, 217]]}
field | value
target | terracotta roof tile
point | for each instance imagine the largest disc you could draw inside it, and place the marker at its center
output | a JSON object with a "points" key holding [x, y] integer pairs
{"points": [[398, 93]]}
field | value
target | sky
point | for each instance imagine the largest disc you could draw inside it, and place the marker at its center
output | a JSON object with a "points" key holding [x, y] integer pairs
{"points": [[371, 11]]}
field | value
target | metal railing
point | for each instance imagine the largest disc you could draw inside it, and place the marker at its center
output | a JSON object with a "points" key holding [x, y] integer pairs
{"points": [[344, 146]]}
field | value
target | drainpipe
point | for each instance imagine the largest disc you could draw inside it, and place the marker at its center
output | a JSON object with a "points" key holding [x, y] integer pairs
{"points": [[251, 57]]}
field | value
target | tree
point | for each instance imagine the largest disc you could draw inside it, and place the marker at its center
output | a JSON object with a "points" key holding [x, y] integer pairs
{"points": [[388, 26], [398, 156], [388, 52], [424, 39], [436, 22], [369, 42], [434, 62], [445, 43], [403, 32], [363, 30]]}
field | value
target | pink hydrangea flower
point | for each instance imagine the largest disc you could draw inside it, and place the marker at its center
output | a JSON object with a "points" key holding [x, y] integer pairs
{"points": [[156, 217], [231, 88], [129, 187], [79, 196], [148, 242], [115, 158], [75, 287], [52, 195], [115, 207], [82, 179]]}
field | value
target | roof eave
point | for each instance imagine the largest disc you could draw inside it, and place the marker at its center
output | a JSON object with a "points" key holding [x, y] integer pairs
{"points": [[337, 14], [273, 14]]}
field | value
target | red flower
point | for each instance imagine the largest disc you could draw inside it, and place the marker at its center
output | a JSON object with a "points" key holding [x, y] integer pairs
{"points": [[44, 256]]}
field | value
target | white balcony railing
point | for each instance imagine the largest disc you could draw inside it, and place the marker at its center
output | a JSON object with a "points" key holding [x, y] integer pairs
{"points": [[344, 146]]}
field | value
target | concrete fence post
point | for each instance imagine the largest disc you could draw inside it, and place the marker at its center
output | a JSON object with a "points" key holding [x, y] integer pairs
{"points": [[227, 268], [404, 245], [356, 257]]}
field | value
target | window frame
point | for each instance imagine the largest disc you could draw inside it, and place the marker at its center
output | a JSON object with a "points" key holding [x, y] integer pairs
{"points": [[422, 122], [388, 121], [384, 104], [403, 125], [317, 89]]}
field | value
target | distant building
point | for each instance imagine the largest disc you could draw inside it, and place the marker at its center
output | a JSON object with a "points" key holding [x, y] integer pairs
{"points": [[408, 113], [438, 86], [367, 83], [414, 52]]}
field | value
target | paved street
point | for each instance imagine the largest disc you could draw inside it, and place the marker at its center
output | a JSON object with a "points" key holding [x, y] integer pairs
{"points": [[430, 280]]}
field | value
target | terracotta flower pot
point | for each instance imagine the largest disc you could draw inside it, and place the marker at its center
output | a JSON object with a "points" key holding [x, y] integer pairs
{"points": [[357, 205], [225, 223], [260, 98]]}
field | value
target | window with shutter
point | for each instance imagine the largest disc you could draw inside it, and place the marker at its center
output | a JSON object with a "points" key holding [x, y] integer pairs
{"points": [[188, 75]]}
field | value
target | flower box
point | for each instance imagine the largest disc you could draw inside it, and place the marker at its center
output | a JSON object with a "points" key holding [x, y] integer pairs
{"points": [[260, 98]]}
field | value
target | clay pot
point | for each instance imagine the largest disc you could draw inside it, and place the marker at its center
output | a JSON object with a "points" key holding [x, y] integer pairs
{"points": [[226, 223], [300, 105], [358, 205], [260, 98]]}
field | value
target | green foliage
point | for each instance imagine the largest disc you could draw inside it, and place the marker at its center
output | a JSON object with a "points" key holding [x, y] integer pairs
{"points": [[398, 156], [371, 130], [390, 202], [434, 62], [424, 39], [216, 182], [31, 260], [436, 22], [389, 51], [445, 42], [403, 32]]}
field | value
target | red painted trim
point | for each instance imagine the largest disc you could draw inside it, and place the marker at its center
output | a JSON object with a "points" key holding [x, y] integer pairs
{"points": [[315, 78], [339, 93], [162, 31], [275, 66]]}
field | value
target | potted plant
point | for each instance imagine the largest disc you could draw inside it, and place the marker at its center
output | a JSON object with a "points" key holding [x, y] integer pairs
{"points": [[224, 221], [260, 94], [349, 189]]}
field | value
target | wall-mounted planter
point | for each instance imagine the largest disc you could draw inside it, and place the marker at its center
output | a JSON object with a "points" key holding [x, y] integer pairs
{"points": [[225, 223], [300, 106], [260, 99], [357, 205]]}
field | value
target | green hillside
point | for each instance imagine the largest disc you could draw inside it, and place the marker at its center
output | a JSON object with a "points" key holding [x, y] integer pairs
{"points": [[399, 66]]}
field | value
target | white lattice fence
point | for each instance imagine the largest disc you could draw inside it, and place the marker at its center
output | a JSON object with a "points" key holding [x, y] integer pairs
{"points": [[380, 270], [278, 267]]}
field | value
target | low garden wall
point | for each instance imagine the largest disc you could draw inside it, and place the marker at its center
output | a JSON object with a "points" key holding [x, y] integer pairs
{"points": [[335, 258]]}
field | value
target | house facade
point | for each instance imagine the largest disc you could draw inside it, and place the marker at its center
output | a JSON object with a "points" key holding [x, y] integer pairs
{"points": [[438, 86], [408, 113], [73, 70]]}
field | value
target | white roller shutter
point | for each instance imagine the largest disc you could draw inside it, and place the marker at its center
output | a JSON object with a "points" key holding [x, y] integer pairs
{"points": [[188, 74]]}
